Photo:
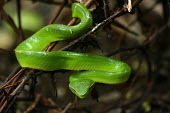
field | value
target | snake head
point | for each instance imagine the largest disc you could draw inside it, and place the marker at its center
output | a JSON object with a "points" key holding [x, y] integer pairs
{"points": [[81, 87]]}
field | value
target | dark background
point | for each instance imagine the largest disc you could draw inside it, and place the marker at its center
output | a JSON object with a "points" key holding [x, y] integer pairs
{"points": [[140, 38]]}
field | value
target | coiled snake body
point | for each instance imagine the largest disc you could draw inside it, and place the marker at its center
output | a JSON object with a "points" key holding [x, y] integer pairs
{"points": [[31, 54]]}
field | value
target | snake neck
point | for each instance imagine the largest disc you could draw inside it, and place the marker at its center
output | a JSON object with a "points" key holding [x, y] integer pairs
{"points": [[56, 32]]}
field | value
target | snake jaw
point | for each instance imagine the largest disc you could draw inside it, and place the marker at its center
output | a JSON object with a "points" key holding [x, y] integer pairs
{"points": [[81, 87]]}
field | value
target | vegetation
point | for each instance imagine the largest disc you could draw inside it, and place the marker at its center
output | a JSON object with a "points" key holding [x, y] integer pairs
{"points": [[139, 37]]}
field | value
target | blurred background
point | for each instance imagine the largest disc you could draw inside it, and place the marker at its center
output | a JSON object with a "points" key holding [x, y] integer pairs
{"points": [[140, 38]]}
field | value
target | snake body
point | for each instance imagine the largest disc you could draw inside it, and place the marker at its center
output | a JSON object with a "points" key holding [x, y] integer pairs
{"points": [[31, 54]]}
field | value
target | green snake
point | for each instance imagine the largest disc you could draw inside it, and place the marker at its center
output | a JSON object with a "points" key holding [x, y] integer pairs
{"points": [[31, 54]]}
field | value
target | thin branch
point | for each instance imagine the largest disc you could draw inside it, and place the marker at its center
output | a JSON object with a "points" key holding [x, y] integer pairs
{"points": [[136, 108], [104, 22], [19, 88], [21, 35], [49, 2], [58, 12]]}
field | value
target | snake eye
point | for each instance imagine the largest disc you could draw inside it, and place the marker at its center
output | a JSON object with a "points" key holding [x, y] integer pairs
{"points": [[72, 89]]}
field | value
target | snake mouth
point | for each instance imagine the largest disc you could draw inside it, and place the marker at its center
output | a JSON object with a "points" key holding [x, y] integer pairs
{"points": [[81, 87], [82, 95]]}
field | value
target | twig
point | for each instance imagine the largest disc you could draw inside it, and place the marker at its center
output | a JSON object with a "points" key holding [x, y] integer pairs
{"points": [[106, 21], [50, 2], [20, 86], [21, 35], [58, 12], [18, 90], [129, 5], [67, 107], [8, 19], [105, 11], [144, 46], [136, 108], [52, 45], [16, 70], [33, 105], [19, 73]]}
